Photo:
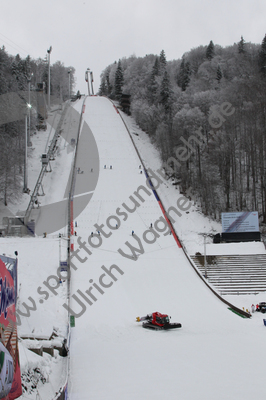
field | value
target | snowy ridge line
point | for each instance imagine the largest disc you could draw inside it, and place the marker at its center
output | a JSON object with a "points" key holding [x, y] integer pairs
{"points": [[179, 242]]}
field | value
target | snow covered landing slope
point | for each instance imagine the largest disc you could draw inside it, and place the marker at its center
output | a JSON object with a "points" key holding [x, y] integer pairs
{"points": [[215, 352]]}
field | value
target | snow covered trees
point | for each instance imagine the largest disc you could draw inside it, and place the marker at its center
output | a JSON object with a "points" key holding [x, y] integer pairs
{"points": [[60, 81], [173, 100], [14, 74], [106, 88]]}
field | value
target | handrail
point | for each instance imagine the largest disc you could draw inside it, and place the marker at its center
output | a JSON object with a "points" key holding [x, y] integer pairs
{"points": [[70, 215]]}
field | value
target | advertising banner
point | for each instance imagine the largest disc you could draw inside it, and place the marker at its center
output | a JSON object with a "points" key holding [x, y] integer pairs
{"points": [[247, 221], [11, 266], [10, 377]]}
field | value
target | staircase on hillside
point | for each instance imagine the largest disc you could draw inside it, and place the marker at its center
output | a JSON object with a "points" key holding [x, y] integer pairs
{"points": [[50, 155], [234, 274]]}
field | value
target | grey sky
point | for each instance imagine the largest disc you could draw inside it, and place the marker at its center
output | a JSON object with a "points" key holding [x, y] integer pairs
{"points": [[86, 33]]}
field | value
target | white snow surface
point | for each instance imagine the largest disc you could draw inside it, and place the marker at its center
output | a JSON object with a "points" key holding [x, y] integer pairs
{"points": [[215, 355]]}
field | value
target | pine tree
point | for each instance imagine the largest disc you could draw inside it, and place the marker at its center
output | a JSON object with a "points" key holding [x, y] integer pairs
{"points": [[262, 57], [119, 80], [156, 67], [21, 70], [219, 74], [4, 70], [187, 73], [165, 92], [27, 66], [210, 51], [241, 46], [108, 84], [103, 88], [162, 60], [153, 86], [183, 77]]}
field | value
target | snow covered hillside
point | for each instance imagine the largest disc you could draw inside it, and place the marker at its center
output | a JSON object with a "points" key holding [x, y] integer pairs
{"points": [[126, 264], [113, 357]]}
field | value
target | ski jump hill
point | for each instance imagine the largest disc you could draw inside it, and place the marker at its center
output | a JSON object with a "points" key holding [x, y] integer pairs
{"points": [[126, 263]]}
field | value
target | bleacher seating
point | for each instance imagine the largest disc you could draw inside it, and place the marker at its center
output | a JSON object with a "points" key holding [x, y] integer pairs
{"points": [[234, 274]]}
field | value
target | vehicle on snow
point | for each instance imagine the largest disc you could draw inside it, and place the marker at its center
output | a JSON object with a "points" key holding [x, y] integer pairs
{"points": [[261, 307], [157, 321]]}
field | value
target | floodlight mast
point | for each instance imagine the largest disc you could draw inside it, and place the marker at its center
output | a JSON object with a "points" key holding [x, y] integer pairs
{"points": [[49, 77], [25, 188], [29, 105], [69, 82], [27, 137]]}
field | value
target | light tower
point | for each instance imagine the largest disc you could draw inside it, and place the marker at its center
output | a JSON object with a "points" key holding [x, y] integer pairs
{"points": [[29, 105], [69, 82], [49, 77]]}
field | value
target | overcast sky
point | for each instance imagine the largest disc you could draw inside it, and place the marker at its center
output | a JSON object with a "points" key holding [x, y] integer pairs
{"points": [[93, 34]]}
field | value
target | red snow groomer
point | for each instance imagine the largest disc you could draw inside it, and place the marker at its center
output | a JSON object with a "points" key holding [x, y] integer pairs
{"points": [[157, 321]]}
